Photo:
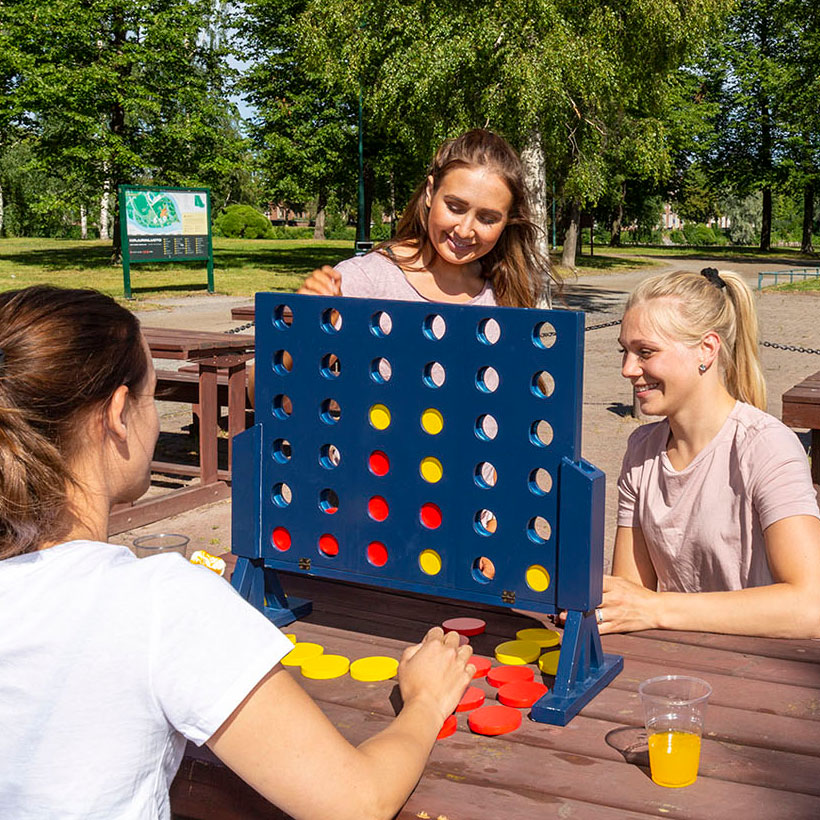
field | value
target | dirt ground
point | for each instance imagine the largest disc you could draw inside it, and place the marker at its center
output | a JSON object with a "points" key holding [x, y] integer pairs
{"points": [[789, 319]]}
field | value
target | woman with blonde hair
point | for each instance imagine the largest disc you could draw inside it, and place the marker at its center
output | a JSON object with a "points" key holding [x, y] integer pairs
{"points": [[718, 524]]}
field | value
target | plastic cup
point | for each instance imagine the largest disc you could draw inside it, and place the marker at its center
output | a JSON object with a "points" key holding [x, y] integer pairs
{"points": [[147, 545], [674, 708]]}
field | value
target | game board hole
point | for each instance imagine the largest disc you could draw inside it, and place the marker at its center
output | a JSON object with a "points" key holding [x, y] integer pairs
{"points": [[544, 335], [328, 501], [282, 362], [543, 384], [430, 562], [330, 411], [379, 416], [281, 495], [282, 317], [485, 475], [377, 508], [331, 366], [431, 470], [541, 433], [378, 463], [430, 515], [282, 450], [540, 481], [331, 321], [329, 456], [377, 553], [280, 538], [486, 427], [487, 379], [483, 570], [434, 327], [434, 374], [489, 331], [328, 545], [381, 324], [485, 522], [432, 421], [381, 370], [539, 530], [537, 577], [282, 406]]}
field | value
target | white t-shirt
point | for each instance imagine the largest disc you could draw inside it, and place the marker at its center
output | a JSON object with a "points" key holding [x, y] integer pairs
{"points": [[107, 665]]}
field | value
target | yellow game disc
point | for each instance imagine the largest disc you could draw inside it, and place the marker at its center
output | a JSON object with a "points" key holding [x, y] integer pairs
{"points": [[291, 637], [548, 662], [430, 562], [543, 637], [325, 667], [379, 416], [537, 578], [431, 469], [372, 669], [516, 653], [302, 652], [432, 421]]}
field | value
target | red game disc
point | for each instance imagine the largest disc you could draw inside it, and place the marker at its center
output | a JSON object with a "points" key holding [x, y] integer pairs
{"points": [[494, 720], [472, 699], [482, 665], [465, 626], [499, 675], [521, 694], [448, 728]]}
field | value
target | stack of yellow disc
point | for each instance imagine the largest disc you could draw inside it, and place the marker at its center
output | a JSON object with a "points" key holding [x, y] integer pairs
{"points": [[548, 662], [375, 668], [545, 638], [302, 652], [325, 667], [517, 653]]}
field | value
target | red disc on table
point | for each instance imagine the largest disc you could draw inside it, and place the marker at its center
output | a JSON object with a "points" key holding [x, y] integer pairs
{"points": [[281, 539], [494, 720], [465, 626], [448, 728], [471, 699], [482, 665], [521, 694], [431, 516], [499, 675], [328, 544], [379, 463], [377, 508]]}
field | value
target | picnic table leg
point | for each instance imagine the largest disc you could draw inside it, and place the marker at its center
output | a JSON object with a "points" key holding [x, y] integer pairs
{"points": [[236, 405], [208, 424], [815, 456]]}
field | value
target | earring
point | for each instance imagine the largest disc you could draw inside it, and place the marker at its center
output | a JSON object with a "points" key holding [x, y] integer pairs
{"points": [[702, 368]]}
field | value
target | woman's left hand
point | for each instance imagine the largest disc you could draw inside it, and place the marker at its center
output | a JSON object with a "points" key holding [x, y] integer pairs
{"points": [[627, 607]]}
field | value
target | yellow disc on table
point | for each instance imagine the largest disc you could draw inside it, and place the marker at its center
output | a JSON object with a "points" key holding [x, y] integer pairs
{"points": [[548, 662], [325, 667], [431, 470], [430, 562], [517, 653], [379, 416], [543, 637], [538, 578], [301, 652], [377, 667], [291, 637], [432, 421]]}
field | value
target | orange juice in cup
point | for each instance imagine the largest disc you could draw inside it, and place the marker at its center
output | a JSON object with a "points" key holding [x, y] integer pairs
{"points": [[674, 757]]}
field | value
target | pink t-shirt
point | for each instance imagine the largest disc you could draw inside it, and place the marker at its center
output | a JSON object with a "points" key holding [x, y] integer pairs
{"points": [[704, 525], [374, 276]]}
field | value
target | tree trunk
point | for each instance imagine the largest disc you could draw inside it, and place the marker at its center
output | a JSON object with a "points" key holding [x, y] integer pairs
{"points": [[534, 161], [808, 218], [83, 222], [618, 221], [571, 235], [321, 215], [105, 205], [117, 124], [766, 222]]}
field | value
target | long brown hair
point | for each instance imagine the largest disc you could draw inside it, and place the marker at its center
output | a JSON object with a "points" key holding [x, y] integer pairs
{"points": [[518, 272], [63, 353]]}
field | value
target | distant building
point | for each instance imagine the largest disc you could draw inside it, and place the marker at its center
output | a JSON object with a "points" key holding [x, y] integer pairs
{"points": [[671, 221], [280, 214]]}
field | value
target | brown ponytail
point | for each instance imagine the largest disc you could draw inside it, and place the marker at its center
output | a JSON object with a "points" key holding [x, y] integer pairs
{"points": [[64, 353]]}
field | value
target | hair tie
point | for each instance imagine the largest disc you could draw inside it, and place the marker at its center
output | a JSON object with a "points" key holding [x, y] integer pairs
{"points": [[713, 276], [2, 356]]}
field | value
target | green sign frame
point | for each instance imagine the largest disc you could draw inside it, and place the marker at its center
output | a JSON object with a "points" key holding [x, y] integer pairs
{"points": [[164, 224]]}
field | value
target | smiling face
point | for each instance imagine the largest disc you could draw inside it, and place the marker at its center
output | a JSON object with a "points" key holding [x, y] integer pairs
{"points": [[468, 213], [663, 371]]}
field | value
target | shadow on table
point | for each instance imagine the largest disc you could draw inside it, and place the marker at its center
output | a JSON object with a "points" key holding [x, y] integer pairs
{"points": [[630, 741]]}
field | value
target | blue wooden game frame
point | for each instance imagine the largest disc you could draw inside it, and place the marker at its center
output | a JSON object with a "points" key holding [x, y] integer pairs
{"points": [[484, 431]]}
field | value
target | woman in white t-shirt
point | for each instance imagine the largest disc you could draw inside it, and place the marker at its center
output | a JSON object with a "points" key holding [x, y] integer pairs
{"points": [[718, 524], [108, 663]]}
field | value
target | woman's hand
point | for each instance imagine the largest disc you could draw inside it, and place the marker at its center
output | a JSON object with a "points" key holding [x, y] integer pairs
{"points": [[324, 281], [436, 671], [627, 606]]}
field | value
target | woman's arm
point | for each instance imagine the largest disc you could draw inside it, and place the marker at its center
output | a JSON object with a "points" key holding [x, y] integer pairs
{"points": [[789, 608], [280, 742]]}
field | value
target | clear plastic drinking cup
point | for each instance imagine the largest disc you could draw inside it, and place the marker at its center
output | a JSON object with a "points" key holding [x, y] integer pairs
{"points": [[160, 542], [674, 708]]}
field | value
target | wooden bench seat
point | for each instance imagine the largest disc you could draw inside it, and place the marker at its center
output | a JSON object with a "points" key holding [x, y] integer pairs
{"points": [[183, 385]]}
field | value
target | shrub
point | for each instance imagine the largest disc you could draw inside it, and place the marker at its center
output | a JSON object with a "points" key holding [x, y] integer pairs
{"points": [[678, 236], [242, 222]]}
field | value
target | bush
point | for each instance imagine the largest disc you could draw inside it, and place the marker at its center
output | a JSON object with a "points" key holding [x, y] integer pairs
{"points": [[678, 236], [290, 232], [697, 234], [242, 222]]}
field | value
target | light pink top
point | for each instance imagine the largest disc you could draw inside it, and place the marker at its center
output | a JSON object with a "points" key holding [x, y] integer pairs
{"points": [[704, 525], [374, 276]]}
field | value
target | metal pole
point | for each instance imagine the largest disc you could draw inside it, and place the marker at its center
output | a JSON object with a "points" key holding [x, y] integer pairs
{"points": [[360, 232], [553, 217]]}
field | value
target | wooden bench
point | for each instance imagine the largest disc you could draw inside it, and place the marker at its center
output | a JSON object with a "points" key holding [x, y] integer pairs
{"points": [[801, 408]]}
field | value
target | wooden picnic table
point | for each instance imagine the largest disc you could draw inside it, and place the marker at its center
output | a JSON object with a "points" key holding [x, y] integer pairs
{"points": [[211, 353], [760, 755], [801, 408]]}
